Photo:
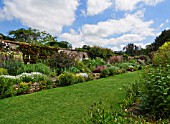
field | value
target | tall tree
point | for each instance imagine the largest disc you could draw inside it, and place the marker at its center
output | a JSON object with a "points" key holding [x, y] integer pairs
{"points": [[131, 49], [160, 40], [97, 51], [3, 37], [31, 36], [64, 44]]}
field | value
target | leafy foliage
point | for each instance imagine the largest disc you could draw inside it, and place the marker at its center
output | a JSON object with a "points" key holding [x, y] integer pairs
{"points": [[12, 66], [67, 79], [162, 56], [100, 52], [34, 53], [99, 115], [131, 49], [105, 73], [96, 52], [39, 67], [93, 63], [99, 69], [160, 40], [155, 94], [7, 86], [154, 90], [31, 36], [3, 71], [61, 61]]}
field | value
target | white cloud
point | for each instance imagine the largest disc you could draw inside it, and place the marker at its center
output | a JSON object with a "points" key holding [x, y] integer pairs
{"points": [[167, 20], [130, 29], [126, 4], [48, 15], [129, 5], [95, 7], [73, 38], [152, 2], [161, 25]]}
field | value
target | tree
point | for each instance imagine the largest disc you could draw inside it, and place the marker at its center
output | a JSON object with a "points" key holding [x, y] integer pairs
{"points": [[3, 37], [132, 49], [100, 52], [160, 40], [31, 36], [85, 48], [64, 44]]}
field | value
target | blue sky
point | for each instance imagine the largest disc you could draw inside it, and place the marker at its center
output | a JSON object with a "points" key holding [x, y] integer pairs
{"points": [[107, 23]]}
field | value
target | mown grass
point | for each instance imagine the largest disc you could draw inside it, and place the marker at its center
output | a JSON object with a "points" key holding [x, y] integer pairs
{"points": [[65, 105]]}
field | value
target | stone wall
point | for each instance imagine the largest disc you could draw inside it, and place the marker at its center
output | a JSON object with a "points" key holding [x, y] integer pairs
{"points": [[80, 55]]}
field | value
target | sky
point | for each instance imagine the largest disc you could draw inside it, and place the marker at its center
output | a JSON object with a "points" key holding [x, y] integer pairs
{"points": [[106, 23]]}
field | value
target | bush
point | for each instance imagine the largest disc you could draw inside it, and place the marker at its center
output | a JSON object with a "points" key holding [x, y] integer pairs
{"points": [[90, 77], [66, 79], [105, 73], [23, 88], [115, 59], [12, 66], [7, 86], [32, 77], [123, 65], [39, 67], [82, 67], [99, 69], [112, 71], [74, 70], [93, 63], [99, 52], [3, 71], [155, 93], [79, 79], [62, 60], [98, 115], [162, 56], [46, 84]]}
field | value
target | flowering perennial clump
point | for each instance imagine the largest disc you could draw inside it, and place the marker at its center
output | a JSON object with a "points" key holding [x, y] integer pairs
{"points": [[32, 74]]}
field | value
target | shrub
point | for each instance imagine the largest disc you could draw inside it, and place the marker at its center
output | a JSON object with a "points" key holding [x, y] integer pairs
{"points": [[90, 77], [93, 63], [155, 93], [74, 70], [66, 79], [32, 77], [62, 60], [116, 59], [7, 86], [98, 115], [123, 65], [82, 67], [112, 71], [105, 73], [3, 71], [162, 56], [39, 67], [12, 66], [23, 88], [132, 92], [99, 52], [46, 84], [99, 69], [79, 79]]}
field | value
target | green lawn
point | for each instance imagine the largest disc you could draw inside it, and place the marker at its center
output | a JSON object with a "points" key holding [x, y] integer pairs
{"points": [[65, 105]]}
